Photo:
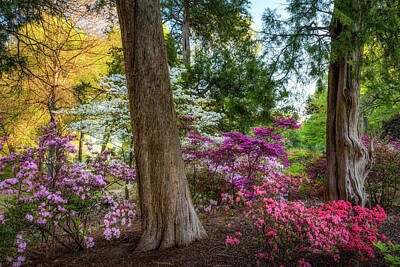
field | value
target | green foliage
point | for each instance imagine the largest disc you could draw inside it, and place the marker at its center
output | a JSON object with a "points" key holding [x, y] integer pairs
{"points": [[310, 165], [212, 23], [380, 94], [391, 127], [313, 130], [16, 223], [116, 63], [388, 249], [225, 59], [315, 168], [377, 117], [301, 43], [170, 45], [14, 14], [297, 159], [303, 35], [238, 80]]}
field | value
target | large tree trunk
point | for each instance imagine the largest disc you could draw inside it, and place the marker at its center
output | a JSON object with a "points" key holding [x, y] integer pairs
{"points": [[348, 160], [167, 213]]}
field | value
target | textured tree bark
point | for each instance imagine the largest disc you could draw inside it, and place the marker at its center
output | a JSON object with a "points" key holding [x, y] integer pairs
{"points": [[186, 33], [167, 213], [348, 160]]}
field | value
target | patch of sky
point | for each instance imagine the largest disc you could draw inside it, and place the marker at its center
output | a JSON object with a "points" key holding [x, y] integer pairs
{"points": [[257, 8]]}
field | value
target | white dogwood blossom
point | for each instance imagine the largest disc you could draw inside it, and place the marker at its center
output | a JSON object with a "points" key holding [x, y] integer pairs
{"points": [[110, 117], [189, 104], [107, 118]]}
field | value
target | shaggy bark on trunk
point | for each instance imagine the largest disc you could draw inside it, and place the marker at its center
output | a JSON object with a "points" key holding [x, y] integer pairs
{"points": [[167, 213], [348, 160]]}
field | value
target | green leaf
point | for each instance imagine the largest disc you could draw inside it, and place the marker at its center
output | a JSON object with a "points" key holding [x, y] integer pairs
{"points": [[382, 247]]}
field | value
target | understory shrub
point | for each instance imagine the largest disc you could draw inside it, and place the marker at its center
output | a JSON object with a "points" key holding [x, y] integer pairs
{"points": [[51, 199]]}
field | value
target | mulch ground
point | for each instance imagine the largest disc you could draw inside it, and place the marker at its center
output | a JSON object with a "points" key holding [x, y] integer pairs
{"points": [[211, 251]]}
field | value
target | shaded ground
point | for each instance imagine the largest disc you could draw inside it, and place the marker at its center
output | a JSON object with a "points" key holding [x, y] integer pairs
{"points": [[208, 252]]}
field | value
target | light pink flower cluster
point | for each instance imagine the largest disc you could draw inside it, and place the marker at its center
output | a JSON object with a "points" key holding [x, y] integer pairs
{"points": [[18, 254], [122, 212], [203, 204]]}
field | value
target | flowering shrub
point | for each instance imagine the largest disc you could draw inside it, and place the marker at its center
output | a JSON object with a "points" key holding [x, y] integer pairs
{"points": [[107, 117], [287, 227], [296, 158], [239, 161], [204, 203], [278, 186], [193, 108], [185, 125], [220, 169], [307, 163], [50, 198], [122, 212], [383, 181], [315, 168], [286, 123]]}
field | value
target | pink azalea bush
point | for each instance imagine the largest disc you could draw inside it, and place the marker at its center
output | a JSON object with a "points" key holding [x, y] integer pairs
{"points": [[315, 168], [287, 227], [48, 197], [303, 162]]}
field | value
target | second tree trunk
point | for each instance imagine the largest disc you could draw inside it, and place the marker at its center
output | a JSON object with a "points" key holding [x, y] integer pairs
{"points": [[348, 160]]}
